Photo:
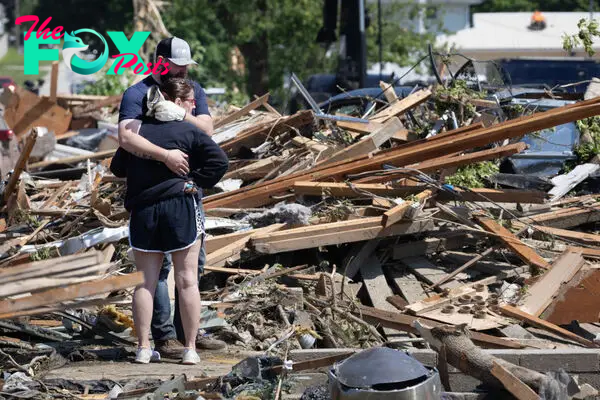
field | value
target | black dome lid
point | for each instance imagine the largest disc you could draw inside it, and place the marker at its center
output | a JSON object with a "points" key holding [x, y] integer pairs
{"points": [[379, 366]]}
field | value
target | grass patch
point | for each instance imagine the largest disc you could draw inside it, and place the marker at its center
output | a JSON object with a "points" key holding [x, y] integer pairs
{"points": [[12, 65]]}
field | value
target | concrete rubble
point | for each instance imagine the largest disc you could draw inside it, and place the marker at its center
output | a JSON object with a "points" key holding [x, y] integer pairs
{"points": [[326, 238]]}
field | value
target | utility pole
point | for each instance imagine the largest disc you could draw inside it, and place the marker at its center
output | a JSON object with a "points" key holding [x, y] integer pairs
{"points": [[591, 10], [17, 30]]}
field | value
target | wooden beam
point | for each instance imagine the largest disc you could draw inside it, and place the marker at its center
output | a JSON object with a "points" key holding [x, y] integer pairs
{"points": [[307, 241], [359, 126], [525, 253], [585, 251], [380, 189], [401, 106], [50, 267], [370, 143], [11, 307], [515, 313], [242, 111], [81, 111], [54, 81], [232, 251], [403, 322], [75, 159], [388, 91], [412, 152], [214, 243], [564, 218], [25, 111], [544, 290], [589, 238], [11, 185], [395, 214], [513, 384], [256, 170], [256, 135], [450, 162]]}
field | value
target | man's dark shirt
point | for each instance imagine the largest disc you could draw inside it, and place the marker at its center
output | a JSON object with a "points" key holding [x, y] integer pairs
{"points": [[149, 181], [134, 104]]}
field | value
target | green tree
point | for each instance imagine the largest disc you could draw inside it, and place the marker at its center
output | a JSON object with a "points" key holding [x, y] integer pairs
{"points": [[401, 44]]}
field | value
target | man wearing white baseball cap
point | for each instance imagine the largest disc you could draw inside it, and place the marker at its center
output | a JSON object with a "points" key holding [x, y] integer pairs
{"points": [[173, 54]]}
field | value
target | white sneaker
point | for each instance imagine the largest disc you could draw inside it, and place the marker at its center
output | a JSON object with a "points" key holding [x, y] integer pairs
{"points": [[145, 355], [190, 357]]}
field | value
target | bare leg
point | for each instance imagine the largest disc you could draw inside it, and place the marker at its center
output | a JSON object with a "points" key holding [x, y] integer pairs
{"points": [[143, 297], [186, 280]]}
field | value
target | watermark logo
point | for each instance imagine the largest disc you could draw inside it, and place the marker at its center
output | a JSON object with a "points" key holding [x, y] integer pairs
{"points": [[73, 48], [74, 45]]}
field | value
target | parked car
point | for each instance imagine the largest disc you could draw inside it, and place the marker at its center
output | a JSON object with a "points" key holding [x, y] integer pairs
{"points": [[6, 81]]}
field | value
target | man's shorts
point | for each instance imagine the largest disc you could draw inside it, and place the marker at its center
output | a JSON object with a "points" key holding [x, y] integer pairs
{"points": [[166, 226]]}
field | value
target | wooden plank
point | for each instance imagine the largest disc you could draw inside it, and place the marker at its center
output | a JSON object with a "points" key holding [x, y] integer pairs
{"points": [[444, 162], [231, 252], [388, 91], [478, 194], [345, 236], [43, 283], [376, 284], [255, 170], [513, 384], [50, 266], [541, 293], [395, 214], [401, 106], [53, 296], [331, 227], [369, 144], [520, 315], [80, 112], [24, 110], [524, 252], [430, 245], [75, 159], [589, 238], [359, 126], [345, 190], [409, 153], [564, 218], [407, 285], [358, 256], [402, 322], [213, 243], [232, 271], [427, 271], [53, 81], [585, 251], [11, 185], [256, 135], [242, 111], [437, 300], [377, 287]]}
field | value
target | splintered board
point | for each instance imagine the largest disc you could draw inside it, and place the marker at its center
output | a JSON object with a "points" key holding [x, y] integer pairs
{"points": [[24, 110], [491, 320]]}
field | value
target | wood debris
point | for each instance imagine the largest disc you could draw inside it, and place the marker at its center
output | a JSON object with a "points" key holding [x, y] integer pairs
{"points": [[322, 235]]}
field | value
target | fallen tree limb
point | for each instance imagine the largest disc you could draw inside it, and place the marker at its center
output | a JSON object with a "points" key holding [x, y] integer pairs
{"points": [[463, 354]]}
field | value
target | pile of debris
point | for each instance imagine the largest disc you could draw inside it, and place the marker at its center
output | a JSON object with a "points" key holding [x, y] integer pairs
{"points": [[328, 232]]}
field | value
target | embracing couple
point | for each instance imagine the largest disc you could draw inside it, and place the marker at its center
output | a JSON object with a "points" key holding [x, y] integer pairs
{"points": [[168, 157]]}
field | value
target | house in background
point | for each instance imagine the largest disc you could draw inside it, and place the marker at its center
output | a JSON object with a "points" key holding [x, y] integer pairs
{"points": [[508, 35], [437, 15]]}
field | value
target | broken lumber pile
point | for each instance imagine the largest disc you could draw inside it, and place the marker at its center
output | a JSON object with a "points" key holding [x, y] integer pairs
{"points": [[325, 234]]}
